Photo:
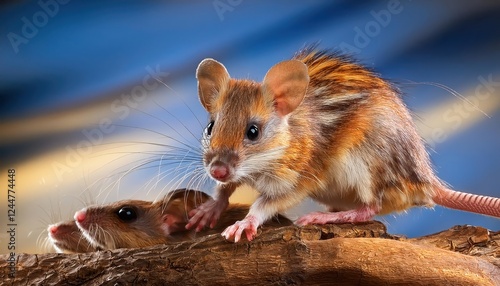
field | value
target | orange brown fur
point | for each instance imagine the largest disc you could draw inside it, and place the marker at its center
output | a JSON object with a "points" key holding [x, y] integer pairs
{"points": [[339, 118], [357, 129], [329, 129]]}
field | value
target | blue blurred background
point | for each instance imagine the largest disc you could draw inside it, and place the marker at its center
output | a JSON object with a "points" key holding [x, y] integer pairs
{"points": [[81, 111]]}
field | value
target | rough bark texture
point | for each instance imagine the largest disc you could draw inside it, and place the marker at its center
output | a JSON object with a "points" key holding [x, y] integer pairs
{"points": [[345, 254]]}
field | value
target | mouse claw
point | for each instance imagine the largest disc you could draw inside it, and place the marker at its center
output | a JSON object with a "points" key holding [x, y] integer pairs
{"points": [[248, 225]]}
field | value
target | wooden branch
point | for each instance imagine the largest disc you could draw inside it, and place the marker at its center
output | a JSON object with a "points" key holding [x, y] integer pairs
{"points": [[345, 254]]}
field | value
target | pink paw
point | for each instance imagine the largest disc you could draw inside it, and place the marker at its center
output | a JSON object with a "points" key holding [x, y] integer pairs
{"points": [[209, 212], [248, 224], [314, 218]]}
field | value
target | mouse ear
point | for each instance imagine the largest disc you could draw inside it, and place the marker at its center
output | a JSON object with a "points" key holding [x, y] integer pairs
{"points": [[171, 223], [287, 83], [211, 76]]}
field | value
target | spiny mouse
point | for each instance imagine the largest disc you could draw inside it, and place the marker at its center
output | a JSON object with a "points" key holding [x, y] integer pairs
{"points": [[320, 126]]}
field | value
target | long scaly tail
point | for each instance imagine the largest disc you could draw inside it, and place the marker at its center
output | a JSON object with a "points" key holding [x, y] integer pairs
{"points": [[468, 202]]}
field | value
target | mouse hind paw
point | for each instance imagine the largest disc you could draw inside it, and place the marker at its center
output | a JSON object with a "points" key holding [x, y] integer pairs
{"points": [[362, 214]]}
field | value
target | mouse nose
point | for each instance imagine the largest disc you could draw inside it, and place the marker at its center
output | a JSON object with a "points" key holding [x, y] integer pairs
{"points": [[52, 229], [219, 171], [80, 216]]}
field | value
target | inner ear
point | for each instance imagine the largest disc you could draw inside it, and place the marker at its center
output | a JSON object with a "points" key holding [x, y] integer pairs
{"points": [[211, 76], [286, 83], [172, 223]]}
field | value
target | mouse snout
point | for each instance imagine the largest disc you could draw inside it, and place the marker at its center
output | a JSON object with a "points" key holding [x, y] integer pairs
{"points": [[80, 216], [219, 171], [222, 164], [52, 229]]}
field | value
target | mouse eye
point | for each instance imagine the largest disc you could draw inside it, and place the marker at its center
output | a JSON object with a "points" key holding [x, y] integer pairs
{"points": [[208, 129], [253, 132], [126, 214]]}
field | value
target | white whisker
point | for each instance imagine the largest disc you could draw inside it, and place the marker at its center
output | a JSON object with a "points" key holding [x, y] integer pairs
{"points": [[453, 92]]}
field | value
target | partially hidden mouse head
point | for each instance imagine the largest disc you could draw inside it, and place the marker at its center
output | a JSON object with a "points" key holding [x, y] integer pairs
{"points": [[137, 223]]}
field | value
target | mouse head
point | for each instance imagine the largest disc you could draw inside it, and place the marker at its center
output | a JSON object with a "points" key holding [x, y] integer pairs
{"points": [[137, 223], [127, 223], [248, 120]]}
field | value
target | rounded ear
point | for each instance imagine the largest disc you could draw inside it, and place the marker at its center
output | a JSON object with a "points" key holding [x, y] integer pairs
{"points": [[211, 76], [286, 82]]}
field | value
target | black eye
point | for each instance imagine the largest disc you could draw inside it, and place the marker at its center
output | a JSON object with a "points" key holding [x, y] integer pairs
{"points": [[208, 129], [253, 132], [127, 214]]}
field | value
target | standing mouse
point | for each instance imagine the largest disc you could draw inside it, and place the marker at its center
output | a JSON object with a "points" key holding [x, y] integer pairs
{"points": [[65, 237], [318, 126], [136, 223]]}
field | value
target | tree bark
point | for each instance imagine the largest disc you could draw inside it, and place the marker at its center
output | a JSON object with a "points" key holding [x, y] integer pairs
{"points": [[344, 254]]}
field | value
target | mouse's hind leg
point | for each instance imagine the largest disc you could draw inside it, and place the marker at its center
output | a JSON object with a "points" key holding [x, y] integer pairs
{"points": [[364, 213]]}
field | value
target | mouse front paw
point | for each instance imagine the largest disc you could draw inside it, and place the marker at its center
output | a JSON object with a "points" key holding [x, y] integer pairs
{"points": [[249, 225], [206, 214]]}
